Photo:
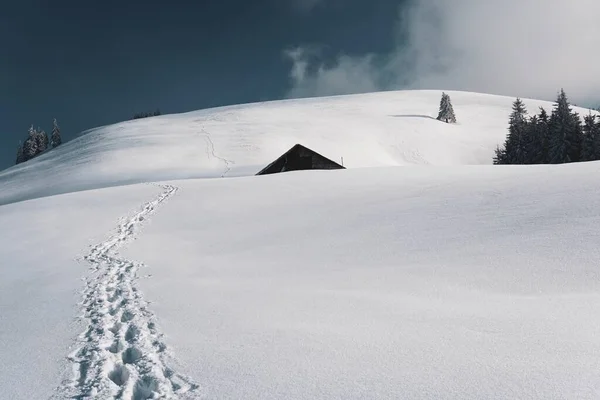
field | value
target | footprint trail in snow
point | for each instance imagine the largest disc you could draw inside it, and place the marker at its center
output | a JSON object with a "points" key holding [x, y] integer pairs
{"points": [[121, 354]]}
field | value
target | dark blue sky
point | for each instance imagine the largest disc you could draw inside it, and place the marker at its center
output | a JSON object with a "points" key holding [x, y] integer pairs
{"points": [[94, 63]]}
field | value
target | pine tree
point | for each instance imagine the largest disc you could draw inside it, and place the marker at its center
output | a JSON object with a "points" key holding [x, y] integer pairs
{"points": [[543, 130], [30, 148], [20, 155], [588, 145], [42, 140], [56, 139], [446, 112], [563, 131], [576, 138], [515, 145], [597, 142], [534, 148], [500, 156]]}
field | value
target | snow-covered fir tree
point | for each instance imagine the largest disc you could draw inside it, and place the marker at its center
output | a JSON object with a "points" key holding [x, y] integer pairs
{"points": [[543, 134], [597, 141], [55, 138], [516, 142], [542, 139], [534, 153], [42, 140], [590, 139], [20, 155], [500, 156], [564, 132], [30, 147], [577, 138], [37, 142], [446, 112]]}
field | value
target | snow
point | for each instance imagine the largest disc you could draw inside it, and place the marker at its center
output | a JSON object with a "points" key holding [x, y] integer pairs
{"points": [[43, 242], [368, 130], [132, 357], [444, 278], [383, 283]]}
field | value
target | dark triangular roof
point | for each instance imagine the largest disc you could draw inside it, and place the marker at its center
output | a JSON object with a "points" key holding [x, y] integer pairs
{"points": [[299, 158]]}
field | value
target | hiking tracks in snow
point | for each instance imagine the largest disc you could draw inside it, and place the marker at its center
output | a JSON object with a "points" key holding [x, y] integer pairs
{"points": [[121, 354]]}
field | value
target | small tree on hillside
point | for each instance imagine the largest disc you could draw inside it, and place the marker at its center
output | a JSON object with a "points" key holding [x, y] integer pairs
{"points": [[543, 131], [140, 115], [534, 149], [597, 141], [55, 139], [446, 112], [590, 138], [20, 155], [564, 126], [30, 147], [42, 140], [577, 137], [516, 141], [500, 156]]}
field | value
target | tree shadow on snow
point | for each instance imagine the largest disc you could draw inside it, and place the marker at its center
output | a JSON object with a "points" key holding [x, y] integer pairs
{"points": [[414, 116]]}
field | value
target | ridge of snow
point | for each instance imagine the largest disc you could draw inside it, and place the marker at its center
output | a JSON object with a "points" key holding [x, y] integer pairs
{"points": [[368, 130]]}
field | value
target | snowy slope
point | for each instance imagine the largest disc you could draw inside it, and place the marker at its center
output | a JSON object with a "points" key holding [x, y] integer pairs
{"points": [[468, 282], [450, 283], [378, 129], [445, 280], [41, 270]]}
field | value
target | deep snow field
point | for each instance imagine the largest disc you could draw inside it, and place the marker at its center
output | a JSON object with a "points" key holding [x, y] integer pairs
{"points": [[429, 275]]}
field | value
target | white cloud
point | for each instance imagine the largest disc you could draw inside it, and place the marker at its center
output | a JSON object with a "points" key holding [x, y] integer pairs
{"points": [[528, 48], [355, 73]]}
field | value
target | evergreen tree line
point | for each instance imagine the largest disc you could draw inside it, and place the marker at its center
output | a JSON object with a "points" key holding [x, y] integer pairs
{"points": [[37, 142], [561, 137], [146, 114]]}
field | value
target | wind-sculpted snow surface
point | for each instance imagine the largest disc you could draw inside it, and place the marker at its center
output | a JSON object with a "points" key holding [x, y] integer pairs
{"points": [[121, 353]]}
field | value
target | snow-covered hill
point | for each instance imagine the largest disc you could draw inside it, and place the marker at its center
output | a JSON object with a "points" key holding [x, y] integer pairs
{"points": [[367, 130], [449, 280]]}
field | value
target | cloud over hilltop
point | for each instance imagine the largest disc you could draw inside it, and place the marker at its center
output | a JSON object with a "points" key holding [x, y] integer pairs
{"points": [[528, 48]]}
